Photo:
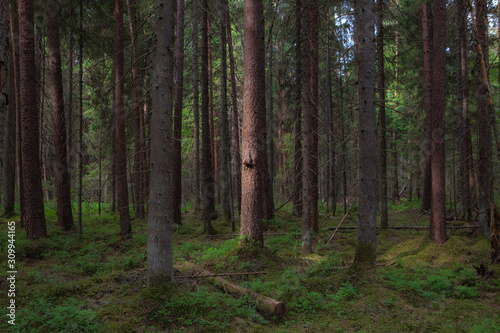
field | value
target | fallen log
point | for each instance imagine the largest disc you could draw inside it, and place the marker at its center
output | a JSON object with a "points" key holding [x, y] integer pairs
{"points": [[263, 303]]}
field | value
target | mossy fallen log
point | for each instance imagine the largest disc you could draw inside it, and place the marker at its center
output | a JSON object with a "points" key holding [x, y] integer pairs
{"points": [[263, 303]]}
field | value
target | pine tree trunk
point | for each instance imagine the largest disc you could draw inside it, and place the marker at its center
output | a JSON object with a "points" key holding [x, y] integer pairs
{"points": [[80, 129], [33, 198], [365, 256], [384, 221], [395, 180], [438, 209], [63, 180], [196, 113], [206, 155], [426, 196], [159, 248], [120, 119], [179, 88], [297, 188], [137, 105], [236, 125], [69, 98], [224, 158], [254, 169]]}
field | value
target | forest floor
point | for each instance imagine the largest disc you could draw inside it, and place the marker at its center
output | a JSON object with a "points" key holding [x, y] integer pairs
{"points": [[98, 283]]}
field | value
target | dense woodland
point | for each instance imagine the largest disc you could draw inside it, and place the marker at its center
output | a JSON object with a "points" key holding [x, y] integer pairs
{"points": [[138, 137]]}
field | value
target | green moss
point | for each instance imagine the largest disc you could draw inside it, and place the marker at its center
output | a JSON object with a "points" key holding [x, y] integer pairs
{"points": [[365, 259]]}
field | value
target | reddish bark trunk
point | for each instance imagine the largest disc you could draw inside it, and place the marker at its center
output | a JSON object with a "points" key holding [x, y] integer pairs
{"points": [[121, 149], [254, 125], [33, 199], [63, 182]]}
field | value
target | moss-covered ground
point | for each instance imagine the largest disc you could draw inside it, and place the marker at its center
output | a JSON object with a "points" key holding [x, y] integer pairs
{"points": [[97, 283]]}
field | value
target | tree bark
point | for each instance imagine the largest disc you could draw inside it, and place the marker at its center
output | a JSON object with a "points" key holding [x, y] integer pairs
{"points": [[236, 123], [206, 154], [160, 260], [179, 90], [365, 256], [297, 188], [33, 197], [384, 221], [196, 112], [254, 168], [224, 158], [137, 104], [121, 145], [426, 195], [438, 209], [63, 180]]}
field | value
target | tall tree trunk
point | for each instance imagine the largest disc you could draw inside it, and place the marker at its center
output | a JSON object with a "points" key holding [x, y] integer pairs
{"points": [[137, 106], [384, 221], [236, 123], [314, 105], [206, 155], [463, 112], [160, 259], [297, 187], [33, 198], [365, 256], [196, 112], [426, 195], [395, 180], [179, 87], [485, 171], [121, 144], [224, 158], [254, 168], [438, 209], [213, 135], [69, 98], [270, 125], [63, 180], [80, 126], [306, 131], [331, 191], [8, 85]]}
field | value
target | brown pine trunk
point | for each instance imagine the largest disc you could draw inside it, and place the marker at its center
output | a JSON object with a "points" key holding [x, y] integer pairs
{"points": [[121, 149], [254, 168], [306, 131], [485, 170], [176, 149], [384, 221], [196, 113], [80, 129], [137, 106], [438, 209], [236, 125], [270, 125], [207, 180], [33, 199], [213, 135], [365, 256], [426, 195], [297, 188], [225, 141], [395, 180], [314, 63], [69, 98], [159, 248], [63, 181]]}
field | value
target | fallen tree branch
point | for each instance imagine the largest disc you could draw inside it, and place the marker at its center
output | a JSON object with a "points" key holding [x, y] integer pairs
{"points": [[341, 221], [220, 274], [263, 303]]}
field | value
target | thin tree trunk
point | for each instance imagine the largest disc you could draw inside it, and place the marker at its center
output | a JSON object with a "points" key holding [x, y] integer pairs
{"points": [[297, 188], [137, 103], [80, 126], [69, 98], [179, 90], [224, 158], [160, 259], [254, 169], [213, 135], [63, 180], [395, 180], [33, 197], [206, 155], [438, 209], [384, 221], [121, 148], [236, 125], [365, 256], [196, 115]]}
